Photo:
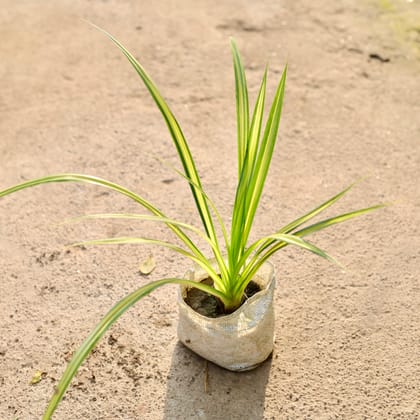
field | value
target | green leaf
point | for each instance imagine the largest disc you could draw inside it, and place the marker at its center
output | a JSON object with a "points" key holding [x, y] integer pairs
{"points": [[338, 219], [283, 239], [308, 216], [176, 134], [265, 154], [112, 316], [202, 262], [144, 217], [238, 241], [242, 107], [79, 178], [216, 250], [218, 254], [258, 259]]}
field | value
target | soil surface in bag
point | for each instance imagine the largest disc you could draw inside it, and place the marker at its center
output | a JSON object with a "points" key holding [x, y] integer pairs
{"points": [[208, 305]]}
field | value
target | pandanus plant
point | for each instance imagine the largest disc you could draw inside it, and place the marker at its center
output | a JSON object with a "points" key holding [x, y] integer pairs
{"points": [[237, 260]]}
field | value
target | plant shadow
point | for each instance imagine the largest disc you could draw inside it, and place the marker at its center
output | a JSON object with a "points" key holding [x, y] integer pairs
{"points": [[197, 389]]}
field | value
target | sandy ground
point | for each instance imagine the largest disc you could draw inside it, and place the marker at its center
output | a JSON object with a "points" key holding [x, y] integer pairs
{"points": [[347, 344]]}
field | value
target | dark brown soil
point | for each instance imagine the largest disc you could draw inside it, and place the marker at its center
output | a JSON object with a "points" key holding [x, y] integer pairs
{"points": [[208, 305]]}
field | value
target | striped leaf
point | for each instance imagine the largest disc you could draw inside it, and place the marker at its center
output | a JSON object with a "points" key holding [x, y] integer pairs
{"points": [[242, 107], [177, 137], [113, 315]]}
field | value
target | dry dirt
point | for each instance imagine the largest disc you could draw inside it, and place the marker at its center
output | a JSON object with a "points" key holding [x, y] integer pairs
{"points": [[347, 344]]}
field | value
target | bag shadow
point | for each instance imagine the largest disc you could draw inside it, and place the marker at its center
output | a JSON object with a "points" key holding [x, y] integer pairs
{"points": [[197, 389]]}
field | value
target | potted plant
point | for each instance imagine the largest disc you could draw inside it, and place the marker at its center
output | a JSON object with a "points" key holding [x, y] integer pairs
{"points": [[237, 282]]}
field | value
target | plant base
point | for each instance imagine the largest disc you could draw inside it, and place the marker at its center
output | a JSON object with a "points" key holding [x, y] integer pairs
{"points": [[239, 341]]}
